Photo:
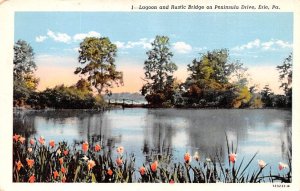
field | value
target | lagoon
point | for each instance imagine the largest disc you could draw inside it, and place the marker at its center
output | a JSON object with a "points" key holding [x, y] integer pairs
{"points": [[172, 131]]}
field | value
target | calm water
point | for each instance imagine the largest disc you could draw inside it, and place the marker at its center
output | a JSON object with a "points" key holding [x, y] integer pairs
{"points": [[144, 131]]}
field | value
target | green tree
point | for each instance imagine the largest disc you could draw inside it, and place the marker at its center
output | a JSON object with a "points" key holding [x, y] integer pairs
{"points": [[211, 74], [159, 71], [267, 96], [98, 57], [286, 76], [24, 66]]}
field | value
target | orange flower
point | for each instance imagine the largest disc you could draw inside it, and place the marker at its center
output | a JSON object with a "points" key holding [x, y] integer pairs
{"points": [[31, 179], [66, 152], [154, 166], [232, 157], [120, 150], [97, 148], [55, 174], [85, 146], [109, 172], [64, 179], [119, 162], [91, 164], [16, 137], [142, 170], [61, 160], [52, 143], [22, 139], [30, 162], [63, 170], [187, 157], [42, 140], [19, 165], [32, 141]]}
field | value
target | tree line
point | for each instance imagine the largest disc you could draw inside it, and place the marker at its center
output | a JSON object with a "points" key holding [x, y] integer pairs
{"points": [[213, 80]]}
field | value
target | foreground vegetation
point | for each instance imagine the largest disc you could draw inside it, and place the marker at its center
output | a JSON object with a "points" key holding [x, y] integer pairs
{"points": [[38, 160]]}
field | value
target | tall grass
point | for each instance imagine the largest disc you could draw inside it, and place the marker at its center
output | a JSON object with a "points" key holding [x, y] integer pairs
{"points": [[39, 161]]}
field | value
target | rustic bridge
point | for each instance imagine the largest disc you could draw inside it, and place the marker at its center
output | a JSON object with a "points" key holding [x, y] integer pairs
{"points": [[125, 103]]}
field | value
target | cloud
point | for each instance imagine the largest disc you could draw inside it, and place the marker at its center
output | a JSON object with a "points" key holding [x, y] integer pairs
{"points": [[182, 47], [59, 37], [252, 44], [40, 38], [270, 45], [81, 36], [143, 42]]}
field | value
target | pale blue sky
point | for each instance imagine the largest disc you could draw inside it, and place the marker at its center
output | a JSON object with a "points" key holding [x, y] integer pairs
{"points": [[257, 39]]}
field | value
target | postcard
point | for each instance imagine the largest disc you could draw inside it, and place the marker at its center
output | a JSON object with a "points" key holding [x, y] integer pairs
{"points": [[175, 94]]}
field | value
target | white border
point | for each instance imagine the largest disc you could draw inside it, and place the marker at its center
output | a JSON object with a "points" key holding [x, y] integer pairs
{"points": [[7, 9]]}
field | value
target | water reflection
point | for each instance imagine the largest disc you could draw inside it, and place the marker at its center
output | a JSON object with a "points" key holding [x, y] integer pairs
{"points": [[168, 131]]}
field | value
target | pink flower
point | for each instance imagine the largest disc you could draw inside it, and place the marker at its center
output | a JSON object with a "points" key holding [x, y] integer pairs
{"points": [[119, 162], [66, 152], [282, 165], [16, 137], [42, 140], [232, 157], [32, 141]]}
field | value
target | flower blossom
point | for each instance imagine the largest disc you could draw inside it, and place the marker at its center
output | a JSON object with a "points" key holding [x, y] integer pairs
{"points": [[120, 150], [16, 137], [22, 139], [154, 166], [42, 140], [19, 165], [30, 162], [196, 156], [61, 160], [32, 141], [97, 148], [282, 165], [142, 170], [63, 170], [29, 149], [91, 164], [261, 163], [119, 161], [31, 179], [55, 174], [52, 143], [85, 146], [109, 172], [232, 157], [66, 152], [187, 157]]}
